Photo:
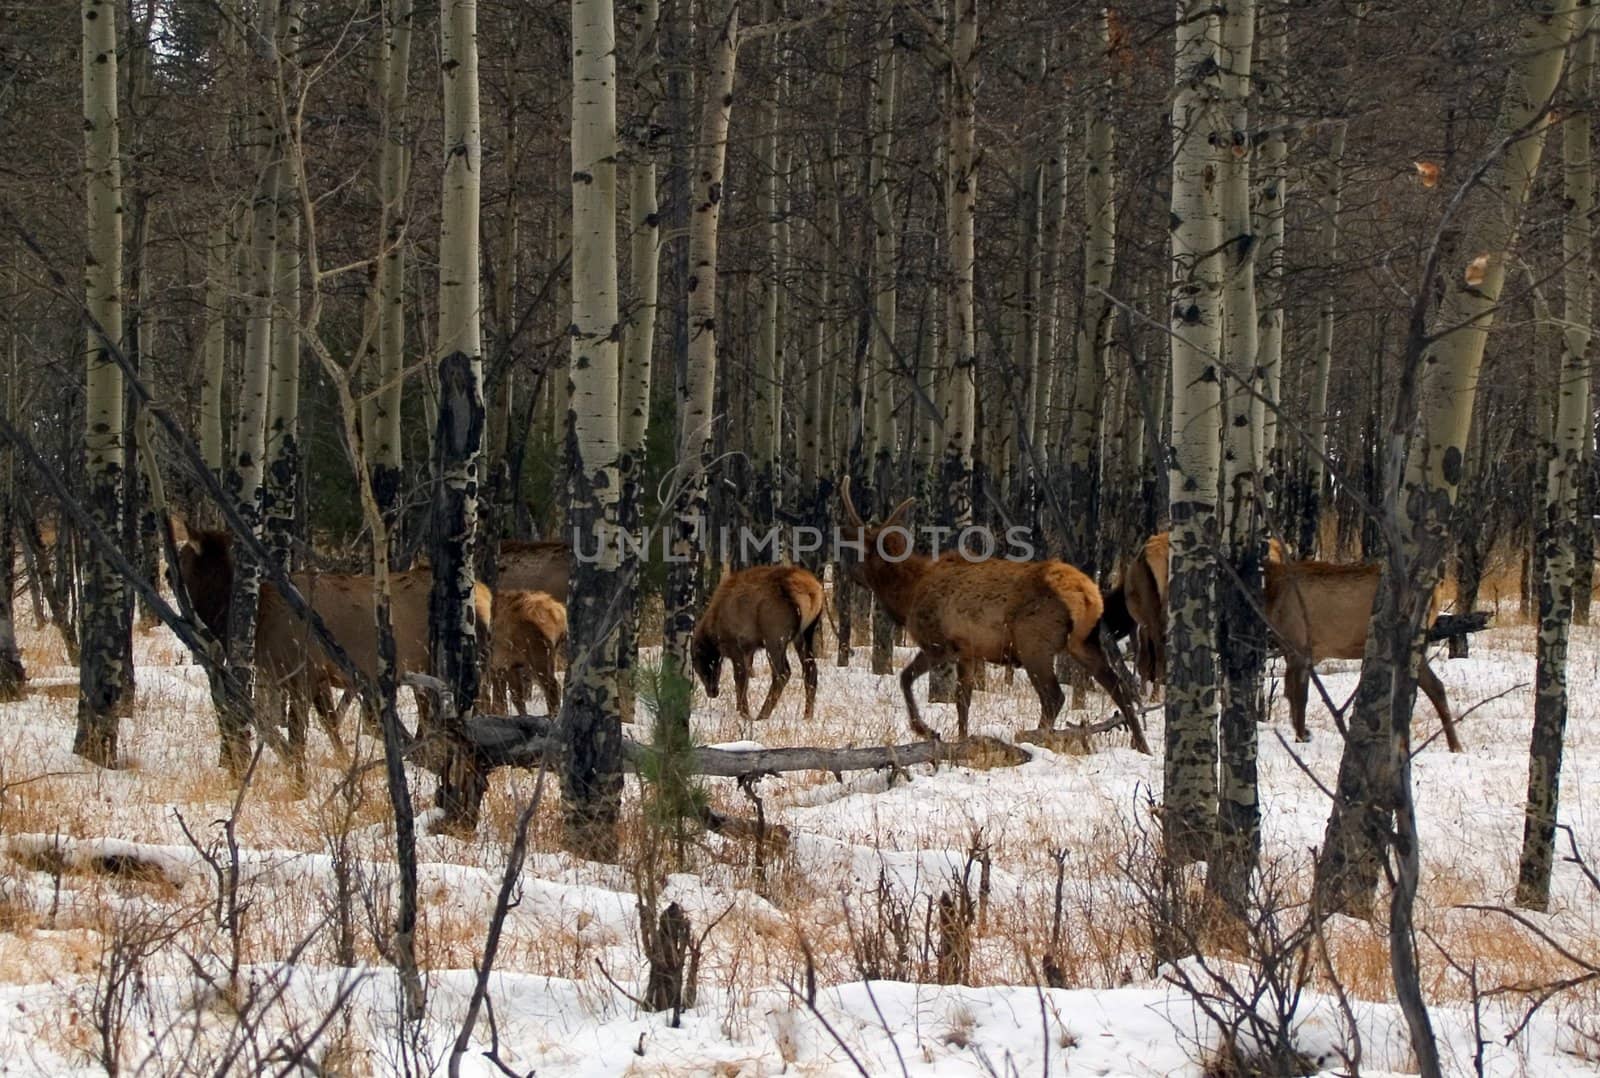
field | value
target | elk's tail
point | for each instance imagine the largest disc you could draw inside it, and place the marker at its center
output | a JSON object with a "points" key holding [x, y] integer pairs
{"points": [[805, 595]]}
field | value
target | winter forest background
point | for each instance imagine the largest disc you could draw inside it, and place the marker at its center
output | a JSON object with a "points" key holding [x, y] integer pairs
{"points": [[377, 287]]}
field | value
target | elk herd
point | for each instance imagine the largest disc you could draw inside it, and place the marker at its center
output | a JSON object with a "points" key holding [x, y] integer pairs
{"points": [[953, 608]]}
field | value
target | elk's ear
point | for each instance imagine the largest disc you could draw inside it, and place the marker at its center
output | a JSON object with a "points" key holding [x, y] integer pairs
{"points": [[899, 512]]}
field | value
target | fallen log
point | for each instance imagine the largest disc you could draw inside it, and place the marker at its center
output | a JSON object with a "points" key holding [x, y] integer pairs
{"points": [[524, 740]]}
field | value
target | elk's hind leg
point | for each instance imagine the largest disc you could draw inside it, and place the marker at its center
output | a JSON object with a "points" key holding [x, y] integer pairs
{"points": [[966, 676], [1296, 684], [805, 647], [778, 661], [1429, 683], [920, 664], [1039, 661], [1092, 658]]}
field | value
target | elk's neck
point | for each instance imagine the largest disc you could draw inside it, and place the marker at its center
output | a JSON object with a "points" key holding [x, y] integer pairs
{"points": [[895, 582]]}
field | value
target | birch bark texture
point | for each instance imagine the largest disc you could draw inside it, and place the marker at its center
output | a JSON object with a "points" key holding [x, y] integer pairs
{"points": [[1424, 471], [105, 621], [1093, 339], [281, 470], [459, 434], [1189, 775], [590, 720], [961, 211], [13, 675], [638, 342], [381, 425], [1241, 633], [1311, 495], [881, 282], [697, 391], [1563, 479], [248, 449]]}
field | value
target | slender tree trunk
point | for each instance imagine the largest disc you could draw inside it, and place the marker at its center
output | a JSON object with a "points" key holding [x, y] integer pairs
{"points": [[696, 396], [881, 283], [1270, 214], [214, 362], [382, 427], [1242, 634], [282, 472], [220, 255], [590, 725], [1562, 481], [961, 218], [1093, 339], [959, 382], [248, 450], [104, 622], [1422, 474], [638, 344], [1311, 495], [1190, 765], [458, 437], [766, 395], [13, 677]]}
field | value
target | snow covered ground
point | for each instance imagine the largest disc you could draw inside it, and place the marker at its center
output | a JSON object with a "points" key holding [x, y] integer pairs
{"points": [[109, 902]]}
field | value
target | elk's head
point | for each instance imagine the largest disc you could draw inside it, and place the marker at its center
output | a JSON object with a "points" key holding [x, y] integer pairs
{"points": [[706, 654], [879, 544]]}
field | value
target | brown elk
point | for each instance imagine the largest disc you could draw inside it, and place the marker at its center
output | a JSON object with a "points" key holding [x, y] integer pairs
{"points": [[538, 565], [770, 606], [530, 629], [1010, 612], [290, 670], [1138, 605], [1317, 610], [1321, 611]]}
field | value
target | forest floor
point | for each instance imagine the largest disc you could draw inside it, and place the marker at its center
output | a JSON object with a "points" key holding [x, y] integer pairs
{"points": [[113, 943]]}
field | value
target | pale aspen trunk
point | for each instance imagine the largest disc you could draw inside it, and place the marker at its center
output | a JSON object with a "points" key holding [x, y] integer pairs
{"points": [[696, 396], [881, 284], [248, 448], [458, 437], [766, 395], [104, 622], [811, 408], [1093, 341], [220, 256], [1421, 476], [960, 220], [13, 676], [1241, 633], [590, 726], [381, 427], [1311, 495], [280, 479], [1564, 476], [214, 353], [1043, 387], [638, 342], [1190, 765], [1034, 199], [1271, 201]]}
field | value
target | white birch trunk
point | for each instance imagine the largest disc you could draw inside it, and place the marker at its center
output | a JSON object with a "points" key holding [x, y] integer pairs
{"points": [[382, 428], [590, 723], [1190, 765], [696, 399], [1241, 634], [1563, 480], [459, 435]]}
